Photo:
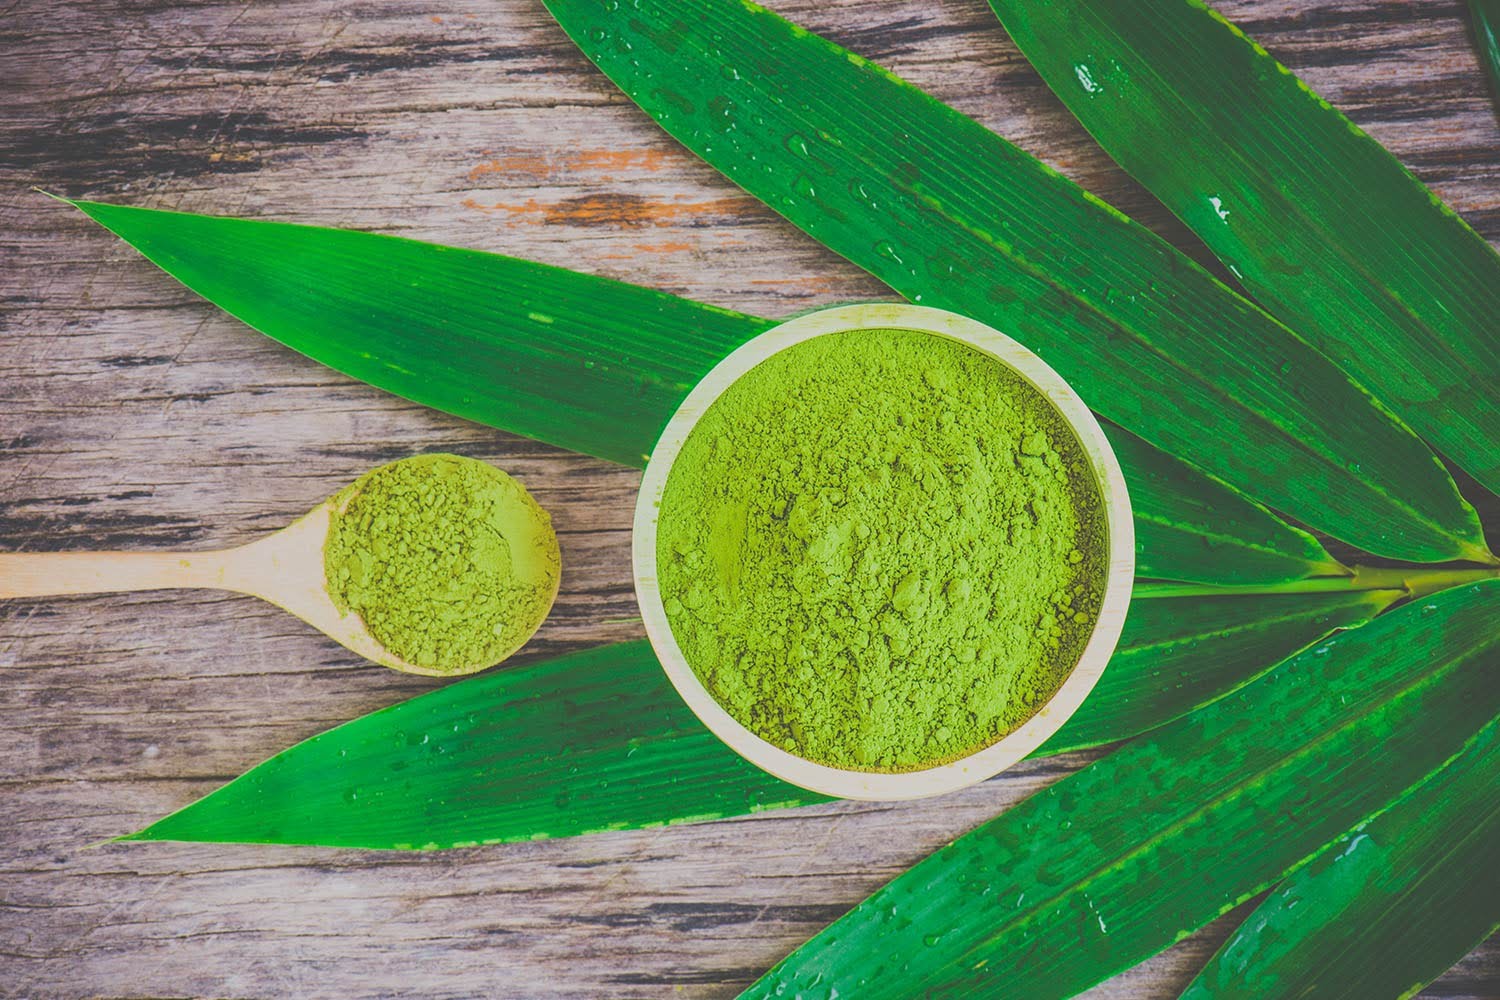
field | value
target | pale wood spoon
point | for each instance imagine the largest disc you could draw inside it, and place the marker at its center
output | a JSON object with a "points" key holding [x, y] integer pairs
{"points": [[285, 568]]}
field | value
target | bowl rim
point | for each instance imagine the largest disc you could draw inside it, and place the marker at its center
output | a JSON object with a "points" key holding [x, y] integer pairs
{"points": [[1009, 749]]}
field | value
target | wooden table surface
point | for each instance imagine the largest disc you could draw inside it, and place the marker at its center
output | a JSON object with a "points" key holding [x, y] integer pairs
{"points": [[134, 415]]}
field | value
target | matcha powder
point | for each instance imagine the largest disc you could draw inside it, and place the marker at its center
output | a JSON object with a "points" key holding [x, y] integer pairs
{"points": [[448, 561], [881, 550]]}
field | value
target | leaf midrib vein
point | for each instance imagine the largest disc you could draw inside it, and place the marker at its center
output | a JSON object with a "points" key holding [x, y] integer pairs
{"points": [[1251, 626]]}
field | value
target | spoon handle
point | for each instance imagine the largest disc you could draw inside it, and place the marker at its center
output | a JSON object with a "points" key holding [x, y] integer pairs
{"points": [[49, 574]]}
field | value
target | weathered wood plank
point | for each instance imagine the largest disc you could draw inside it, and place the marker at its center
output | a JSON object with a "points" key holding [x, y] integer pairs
{"points": [[133, 415]]}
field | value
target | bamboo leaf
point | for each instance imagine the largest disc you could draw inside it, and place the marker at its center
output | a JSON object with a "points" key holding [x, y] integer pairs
{"points": [[600, 740], [587, 742], [1387, 907], [1180, 653], [590, 364], [1121, 859], [593, 365], [949, 214], [1324, 226]]}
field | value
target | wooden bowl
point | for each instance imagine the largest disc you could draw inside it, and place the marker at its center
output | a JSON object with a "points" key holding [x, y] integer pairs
{"points": [[983, 763]]}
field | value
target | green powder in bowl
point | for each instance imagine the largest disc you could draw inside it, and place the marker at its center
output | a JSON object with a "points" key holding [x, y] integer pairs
{"points": [[448, 561], [881, 550]]}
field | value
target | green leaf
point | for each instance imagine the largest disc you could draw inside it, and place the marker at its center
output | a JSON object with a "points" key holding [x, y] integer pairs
{"points": [[1485, 16], [600, 740], [1190, 526], [1387, 907], [592, 741], [949, 214], [590, 364], [1321, 224], [1180, 653], [1135, 851]]}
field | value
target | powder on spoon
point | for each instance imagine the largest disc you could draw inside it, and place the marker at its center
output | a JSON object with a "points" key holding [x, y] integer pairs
{"points": [[881, 550], [448, 561]]}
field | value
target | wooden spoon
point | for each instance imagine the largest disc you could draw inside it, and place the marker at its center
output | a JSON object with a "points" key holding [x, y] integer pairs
{"points": [[285, 568]]}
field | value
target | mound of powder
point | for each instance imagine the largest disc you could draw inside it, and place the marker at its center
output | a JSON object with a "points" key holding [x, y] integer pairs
{"points": [[448, 561], [881, 550]]}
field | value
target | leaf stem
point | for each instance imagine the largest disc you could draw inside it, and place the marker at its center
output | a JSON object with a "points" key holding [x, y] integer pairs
{"points": [[1415, 581]]}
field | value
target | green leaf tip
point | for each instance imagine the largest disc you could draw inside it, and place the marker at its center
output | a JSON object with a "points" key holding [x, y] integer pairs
{"points": [[582, 362], [588, 742]]}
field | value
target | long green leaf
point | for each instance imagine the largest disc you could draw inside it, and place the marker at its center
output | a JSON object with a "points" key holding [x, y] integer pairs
{"points": [[590, 364], [1324, 226], [949, 214], [1178, 654], [587, 742], [1386, 908], [599, 740], [1134, 852], [593, 365]]}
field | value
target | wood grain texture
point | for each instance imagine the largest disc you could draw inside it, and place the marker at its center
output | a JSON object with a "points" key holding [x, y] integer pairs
{"points": [[133, 415]]}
